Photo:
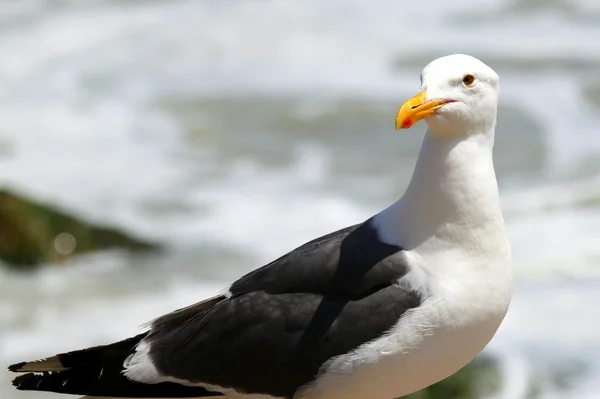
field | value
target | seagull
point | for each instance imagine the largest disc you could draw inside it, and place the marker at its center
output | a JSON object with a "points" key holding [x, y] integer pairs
{"points": [[376, 310]]}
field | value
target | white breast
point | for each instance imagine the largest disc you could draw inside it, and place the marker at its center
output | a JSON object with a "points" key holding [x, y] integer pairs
{"points": [[428, 344]]}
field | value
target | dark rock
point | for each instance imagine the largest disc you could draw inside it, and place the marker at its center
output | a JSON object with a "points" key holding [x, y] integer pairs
{"points": [[33, 233]]}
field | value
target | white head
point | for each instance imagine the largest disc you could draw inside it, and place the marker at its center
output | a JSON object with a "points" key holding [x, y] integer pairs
{"points": [[458, 98]]}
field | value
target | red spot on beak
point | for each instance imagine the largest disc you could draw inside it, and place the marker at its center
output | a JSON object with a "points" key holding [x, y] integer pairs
{"points": [[407, 123]]}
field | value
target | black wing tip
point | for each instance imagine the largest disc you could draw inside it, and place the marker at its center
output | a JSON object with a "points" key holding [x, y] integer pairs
{"points": [[15, 368], [24, 381], [54, 382]]}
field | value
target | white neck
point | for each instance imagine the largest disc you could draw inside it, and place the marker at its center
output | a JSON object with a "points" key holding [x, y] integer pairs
{"points": [[451, 202]]}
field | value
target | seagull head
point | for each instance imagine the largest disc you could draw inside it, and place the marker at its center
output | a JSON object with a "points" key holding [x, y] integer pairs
{"points": [[458, 98]]}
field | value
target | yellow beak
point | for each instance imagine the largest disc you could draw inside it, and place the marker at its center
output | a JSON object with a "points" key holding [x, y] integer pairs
{"points": [[417, 108]]}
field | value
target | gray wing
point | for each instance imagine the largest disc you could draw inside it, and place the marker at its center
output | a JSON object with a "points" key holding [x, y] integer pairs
{"points": [[349, 262], [283, 321]]}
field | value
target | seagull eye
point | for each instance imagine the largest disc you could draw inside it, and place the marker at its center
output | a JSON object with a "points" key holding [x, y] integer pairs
{"points": [[468, 79]]}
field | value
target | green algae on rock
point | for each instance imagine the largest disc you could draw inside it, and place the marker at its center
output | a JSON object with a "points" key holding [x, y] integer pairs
{"points": [[32, 233]]}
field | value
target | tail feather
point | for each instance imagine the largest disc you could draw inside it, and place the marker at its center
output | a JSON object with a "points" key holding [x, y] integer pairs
{"points": [[96, 371], [49, 364], [80, 358]]}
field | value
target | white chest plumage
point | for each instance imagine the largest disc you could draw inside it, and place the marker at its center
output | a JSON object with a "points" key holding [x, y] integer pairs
{"points": [[428, 344]]}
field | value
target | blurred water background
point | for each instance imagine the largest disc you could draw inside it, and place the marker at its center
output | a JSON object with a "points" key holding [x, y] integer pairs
{"points": [[234, 131]]}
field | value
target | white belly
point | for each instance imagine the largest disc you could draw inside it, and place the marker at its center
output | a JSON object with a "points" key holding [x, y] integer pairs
{"points": [[414, 355]]}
